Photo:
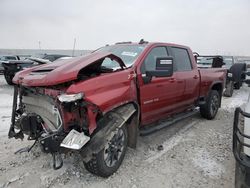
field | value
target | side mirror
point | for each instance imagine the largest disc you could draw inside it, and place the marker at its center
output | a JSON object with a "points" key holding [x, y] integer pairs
{"points": [[247, 73], [164, 67]]}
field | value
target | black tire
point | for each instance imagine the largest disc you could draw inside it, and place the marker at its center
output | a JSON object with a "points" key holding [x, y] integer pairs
{"points": [[241, 177], [8, 78], [238, 70], [100, 166], [238, 176], [237, 85], [210, 109], [229, 89]]}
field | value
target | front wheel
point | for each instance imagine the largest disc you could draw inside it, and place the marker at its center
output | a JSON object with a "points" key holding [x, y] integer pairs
{"points": [[210, 109], [109, 159]]}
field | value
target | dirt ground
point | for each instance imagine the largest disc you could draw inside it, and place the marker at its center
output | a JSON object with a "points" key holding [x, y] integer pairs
{"points": [[196, 153]]}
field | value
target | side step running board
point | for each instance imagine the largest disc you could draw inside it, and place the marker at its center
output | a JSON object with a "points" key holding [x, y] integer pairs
{"points": [[153, 128]]}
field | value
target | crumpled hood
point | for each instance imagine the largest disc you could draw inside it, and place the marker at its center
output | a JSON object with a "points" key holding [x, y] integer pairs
{"points": [[60, 71]]}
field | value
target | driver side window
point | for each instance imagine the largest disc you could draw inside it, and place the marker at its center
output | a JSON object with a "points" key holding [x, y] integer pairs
{"points": [[150, 61]]}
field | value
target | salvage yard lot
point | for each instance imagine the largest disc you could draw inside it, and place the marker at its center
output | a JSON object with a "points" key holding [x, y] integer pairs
{"points": [[196, 153]]}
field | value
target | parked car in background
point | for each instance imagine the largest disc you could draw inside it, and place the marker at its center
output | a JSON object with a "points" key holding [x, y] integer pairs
{"points": [[97, 103], [9, 57], [53, 57], [235, 70], [1, 67], [11, 67], [5, 58]]}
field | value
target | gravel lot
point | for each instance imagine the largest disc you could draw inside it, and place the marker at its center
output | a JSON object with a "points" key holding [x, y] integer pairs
{"points": [[196, 153]]}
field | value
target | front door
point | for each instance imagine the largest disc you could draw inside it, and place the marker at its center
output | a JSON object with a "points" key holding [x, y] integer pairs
{"points": [[157, 96]]}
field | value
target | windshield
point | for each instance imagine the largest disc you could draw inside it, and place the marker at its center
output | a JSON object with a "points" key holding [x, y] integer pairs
{"points": [[128, 53], [6, 58]]}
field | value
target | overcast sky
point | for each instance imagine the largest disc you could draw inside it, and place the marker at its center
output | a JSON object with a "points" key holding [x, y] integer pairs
{"points": [[213, 26]]}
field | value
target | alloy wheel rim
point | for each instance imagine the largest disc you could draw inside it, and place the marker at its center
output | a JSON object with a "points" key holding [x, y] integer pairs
{"points": [[214, 105], [114, 149]]}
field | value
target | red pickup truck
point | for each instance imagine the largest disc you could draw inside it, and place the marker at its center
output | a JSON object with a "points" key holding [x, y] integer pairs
{"points": [[97, 104]]}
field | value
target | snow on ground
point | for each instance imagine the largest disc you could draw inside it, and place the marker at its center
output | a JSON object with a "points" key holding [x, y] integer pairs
{"points": [[196, 153], [239, 98], [5, 106]]}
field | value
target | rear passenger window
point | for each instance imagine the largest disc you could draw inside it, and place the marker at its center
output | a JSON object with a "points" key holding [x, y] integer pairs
{"points": [[181, 59], [150, 61]]}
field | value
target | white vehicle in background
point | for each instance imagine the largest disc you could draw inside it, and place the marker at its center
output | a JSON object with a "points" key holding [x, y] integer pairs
{"points": [[241, 143]]}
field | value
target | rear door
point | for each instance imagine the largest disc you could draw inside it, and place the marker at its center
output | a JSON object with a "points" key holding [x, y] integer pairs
{"points": [[186, 73], [158, 96]]}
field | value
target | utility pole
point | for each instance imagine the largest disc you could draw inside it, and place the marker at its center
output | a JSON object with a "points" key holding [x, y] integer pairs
{"points": [[73, 51]]}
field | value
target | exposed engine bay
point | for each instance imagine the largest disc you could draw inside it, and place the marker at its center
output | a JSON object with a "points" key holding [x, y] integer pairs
{"points": [[60, 122], [105, 65]]}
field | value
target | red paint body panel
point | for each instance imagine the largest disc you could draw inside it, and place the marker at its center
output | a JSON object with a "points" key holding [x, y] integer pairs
{"points": [[167, 96], [108, 90], [59, 72], [209, 77], [160, 98]]}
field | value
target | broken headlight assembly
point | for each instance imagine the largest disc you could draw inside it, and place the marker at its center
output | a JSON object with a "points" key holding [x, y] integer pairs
{"points": [[70, 97]]}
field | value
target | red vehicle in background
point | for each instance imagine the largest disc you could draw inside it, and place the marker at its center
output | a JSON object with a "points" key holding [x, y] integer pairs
{"points": [[97, 104]]}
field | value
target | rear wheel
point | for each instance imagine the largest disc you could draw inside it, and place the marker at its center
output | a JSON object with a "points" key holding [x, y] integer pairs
{"points": [[109, 159], [237, 85], [210, 109], [229, 89]]}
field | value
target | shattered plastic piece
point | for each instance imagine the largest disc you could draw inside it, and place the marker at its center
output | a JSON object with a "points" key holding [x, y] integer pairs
{"points": [[75, 140]]}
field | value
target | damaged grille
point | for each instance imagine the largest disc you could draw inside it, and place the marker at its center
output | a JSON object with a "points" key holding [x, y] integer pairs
{"points": [[44, 107]]}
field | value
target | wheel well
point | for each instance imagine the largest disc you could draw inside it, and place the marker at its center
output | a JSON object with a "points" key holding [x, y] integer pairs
{"points": [[217, 87], [133, 126], [132, 123]]}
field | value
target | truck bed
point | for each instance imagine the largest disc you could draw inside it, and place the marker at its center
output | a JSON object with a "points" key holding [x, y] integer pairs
{"points": [[208, 76]]}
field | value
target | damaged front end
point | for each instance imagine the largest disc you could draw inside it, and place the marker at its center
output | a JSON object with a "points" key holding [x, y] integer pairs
{"points": [[78, 106], [60, 122], [57, 121]]}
